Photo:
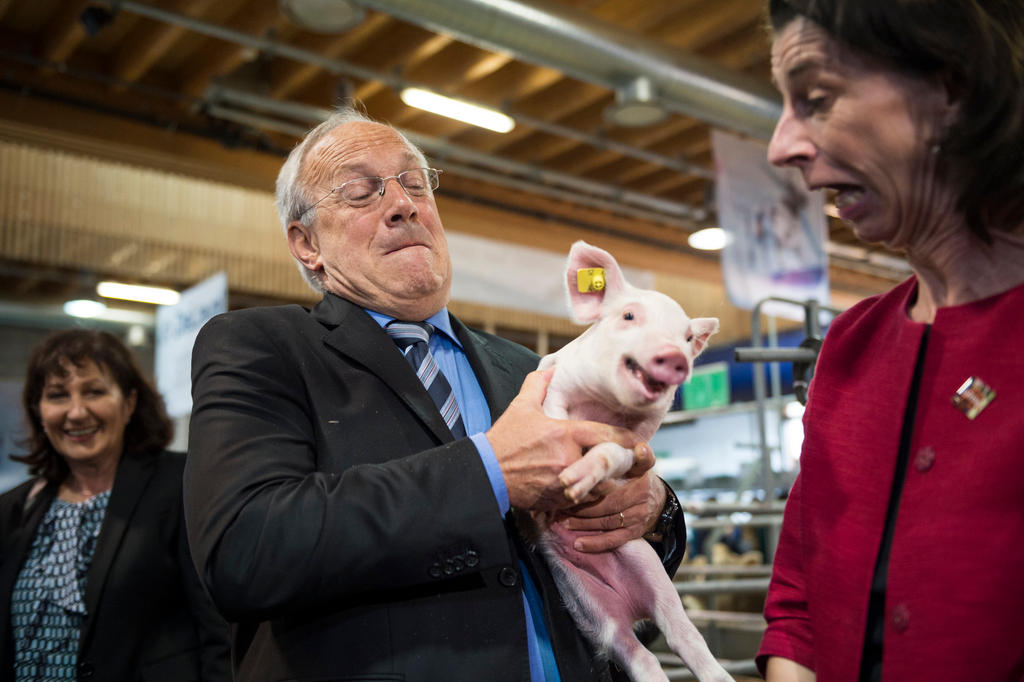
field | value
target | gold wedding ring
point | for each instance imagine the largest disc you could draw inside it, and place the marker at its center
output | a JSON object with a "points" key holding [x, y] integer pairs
{"points": [[622, 520]]}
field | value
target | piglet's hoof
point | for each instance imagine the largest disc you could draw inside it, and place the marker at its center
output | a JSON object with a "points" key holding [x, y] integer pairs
{"points": [[578, 484]]}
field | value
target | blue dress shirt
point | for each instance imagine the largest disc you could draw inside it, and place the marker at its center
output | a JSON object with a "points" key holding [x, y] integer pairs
{"points": [[476, 416]]}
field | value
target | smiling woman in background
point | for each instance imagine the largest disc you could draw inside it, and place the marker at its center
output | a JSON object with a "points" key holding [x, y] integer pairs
{"points": [[901, 555], [96, 580]]}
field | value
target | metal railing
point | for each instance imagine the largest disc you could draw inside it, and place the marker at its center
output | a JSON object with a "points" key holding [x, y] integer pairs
{"points": [[669, 663]]}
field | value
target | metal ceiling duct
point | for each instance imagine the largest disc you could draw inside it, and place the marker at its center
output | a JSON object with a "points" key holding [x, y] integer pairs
{"points": [[594, 51]]}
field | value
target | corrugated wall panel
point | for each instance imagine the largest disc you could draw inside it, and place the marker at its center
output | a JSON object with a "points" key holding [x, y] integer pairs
{"points": [[63, 209]]}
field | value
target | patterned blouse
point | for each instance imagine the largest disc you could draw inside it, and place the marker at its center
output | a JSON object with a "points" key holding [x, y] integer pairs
{"points": [[48, 602]]}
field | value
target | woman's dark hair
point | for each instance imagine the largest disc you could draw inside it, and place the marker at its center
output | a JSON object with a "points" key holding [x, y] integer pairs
{"points": [[977, 47], [149, 428]]}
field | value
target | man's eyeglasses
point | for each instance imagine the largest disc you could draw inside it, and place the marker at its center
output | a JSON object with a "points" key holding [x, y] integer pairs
{"points": [[361, 192]]}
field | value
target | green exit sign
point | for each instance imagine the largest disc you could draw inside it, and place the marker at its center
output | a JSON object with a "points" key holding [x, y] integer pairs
{"points": [[708, 387]]}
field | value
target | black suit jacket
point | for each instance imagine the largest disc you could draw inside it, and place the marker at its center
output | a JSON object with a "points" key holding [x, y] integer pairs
{"points": [[335, 520], [148, 618]]}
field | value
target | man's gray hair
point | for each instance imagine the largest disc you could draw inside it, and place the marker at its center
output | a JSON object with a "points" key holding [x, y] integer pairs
{"points": [[294, 200]]}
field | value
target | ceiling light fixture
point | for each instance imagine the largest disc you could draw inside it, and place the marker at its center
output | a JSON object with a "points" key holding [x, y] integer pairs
{"points": [[136, 292], [84, 307], [708, 239], [323, 16], [635, 105], [460, 111]]}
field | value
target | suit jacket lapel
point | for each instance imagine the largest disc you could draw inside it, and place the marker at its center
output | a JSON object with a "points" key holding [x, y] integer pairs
{"points": [[19, 541], [133, 474], [357, 336]]}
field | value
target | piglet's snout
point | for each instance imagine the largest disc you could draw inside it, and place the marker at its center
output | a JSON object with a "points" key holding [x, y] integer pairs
{"points": [[670, 366]]}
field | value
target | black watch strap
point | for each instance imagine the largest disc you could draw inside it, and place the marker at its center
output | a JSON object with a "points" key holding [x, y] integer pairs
{"points": [[666, 520]]}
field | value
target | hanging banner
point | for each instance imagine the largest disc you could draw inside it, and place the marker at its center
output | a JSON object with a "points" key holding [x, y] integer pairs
{"points": [[776, 229], [176, 329]]}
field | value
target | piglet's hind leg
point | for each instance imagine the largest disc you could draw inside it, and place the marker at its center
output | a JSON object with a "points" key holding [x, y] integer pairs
{"points": [[685, 640]]}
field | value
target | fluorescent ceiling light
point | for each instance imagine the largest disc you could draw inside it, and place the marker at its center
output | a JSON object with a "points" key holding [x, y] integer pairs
{"points": [[708, 239], [460, 111], [84, 307], [135, 292]]}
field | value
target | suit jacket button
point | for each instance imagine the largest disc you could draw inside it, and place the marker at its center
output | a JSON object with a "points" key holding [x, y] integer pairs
{"points": [[449, 567], [472, 559], [458, 564], [85, 669], [508, 577], [435, 570], [900, 618], [924, 459]]}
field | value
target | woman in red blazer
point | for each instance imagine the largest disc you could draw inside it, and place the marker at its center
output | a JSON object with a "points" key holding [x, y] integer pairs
{"points": [[901, 556]]}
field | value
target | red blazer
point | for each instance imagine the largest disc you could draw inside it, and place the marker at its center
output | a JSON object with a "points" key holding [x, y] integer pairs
{"points": [[955, 600]]}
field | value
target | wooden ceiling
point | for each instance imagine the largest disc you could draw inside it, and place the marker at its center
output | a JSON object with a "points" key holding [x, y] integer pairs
{"points": [[222, 69]]}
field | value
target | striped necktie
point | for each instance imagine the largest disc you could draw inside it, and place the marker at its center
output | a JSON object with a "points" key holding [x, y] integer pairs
{"points": [[412, 338]]}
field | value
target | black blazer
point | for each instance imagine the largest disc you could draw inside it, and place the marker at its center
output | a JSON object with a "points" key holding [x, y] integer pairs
{"points": [[337, 523], [148, 618]]}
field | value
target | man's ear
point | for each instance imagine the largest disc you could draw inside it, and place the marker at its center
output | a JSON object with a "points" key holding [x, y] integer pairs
{"points": [[304, 245]]}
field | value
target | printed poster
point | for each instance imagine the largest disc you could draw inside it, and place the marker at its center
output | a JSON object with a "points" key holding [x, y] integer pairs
{"points": [[776, 229]]}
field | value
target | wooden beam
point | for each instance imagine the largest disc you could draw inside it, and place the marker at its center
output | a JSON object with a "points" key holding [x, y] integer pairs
{"points": [[424, 51], [287, 77], [65, 32], [221, 58], [79, 130], [706, 22], [148, 45]]}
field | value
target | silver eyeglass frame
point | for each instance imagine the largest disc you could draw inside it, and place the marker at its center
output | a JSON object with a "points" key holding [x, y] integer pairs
{"points": [[433, 182]]}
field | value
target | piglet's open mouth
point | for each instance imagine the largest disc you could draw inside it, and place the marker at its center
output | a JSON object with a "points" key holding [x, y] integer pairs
{"points": [[650, 383]]}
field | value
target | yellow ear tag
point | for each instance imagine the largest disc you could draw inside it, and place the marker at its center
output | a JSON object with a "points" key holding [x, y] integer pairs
{"points": [[589, 280]]}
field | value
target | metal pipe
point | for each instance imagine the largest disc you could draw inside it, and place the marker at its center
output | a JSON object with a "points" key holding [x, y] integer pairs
{"points": [[442, 149], [742, 586], [742, 667], [735, 618], [533, 178], [340, 66], [691, 570], [560, 194], [594, 51], [767, 475], [774, 355], [703, 508], [760, 397], [755, 522]]}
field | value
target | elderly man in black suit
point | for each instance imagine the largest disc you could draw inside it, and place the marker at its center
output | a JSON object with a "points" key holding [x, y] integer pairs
{"points": [[348, 513]]}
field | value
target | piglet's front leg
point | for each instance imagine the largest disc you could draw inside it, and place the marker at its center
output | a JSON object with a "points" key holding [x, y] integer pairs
{"points": [[602, 462]]}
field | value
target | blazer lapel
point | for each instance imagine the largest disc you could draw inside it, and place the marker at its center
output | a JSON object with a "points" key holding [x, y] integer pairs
{"points": [[18, 543], [358, 337], [133, 474]]}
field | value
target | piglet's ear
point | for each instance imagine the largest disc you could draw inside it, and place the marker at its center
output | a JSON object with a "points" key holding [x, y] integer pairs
{"points": [[598, 287], [702, 328]]}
